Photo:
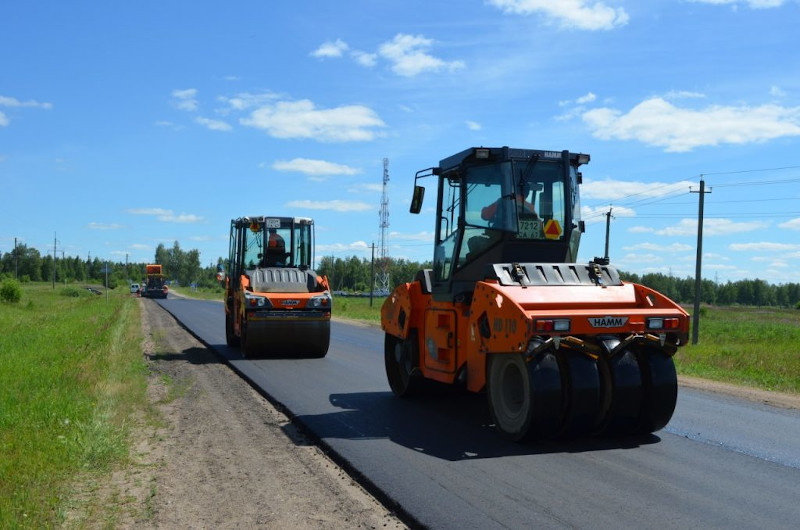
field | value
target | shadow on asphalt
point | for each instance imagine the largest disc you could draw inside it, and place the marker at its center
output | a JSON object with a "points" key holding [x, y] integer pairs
{"points": [[449, 425]]}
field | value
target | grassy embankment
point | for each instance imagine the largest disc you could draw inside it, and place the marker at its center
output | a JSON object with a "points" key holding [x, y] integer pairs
{"points": [[758, 347], [71, 376]]}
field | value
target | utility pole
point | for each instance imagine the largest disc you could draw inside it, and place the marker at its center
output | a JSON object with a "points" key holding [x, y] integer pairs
{"points": [[54, 260], [372, 273], [698, 282], [608, 229], [16, 261]]}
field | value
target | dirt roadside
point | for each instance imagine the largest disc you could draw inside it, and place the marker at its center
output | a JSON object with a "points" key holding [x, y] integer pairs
{"points": [[225, 457]]}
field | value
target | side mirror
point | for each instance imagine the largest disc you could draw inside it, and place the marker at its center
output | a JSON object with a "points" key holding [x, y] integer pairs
{"points": [[416, 200]]}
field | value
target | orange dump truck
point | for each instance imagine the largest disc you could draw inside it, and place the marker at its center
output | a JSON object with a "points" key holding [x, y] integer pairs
{"points": [[155, 286]]}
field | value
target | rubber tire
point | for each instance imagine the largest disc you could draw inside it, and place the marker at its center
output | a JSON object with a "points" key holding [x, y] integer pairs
{"points": [[401, 359], [660, 390], [525, 398], [230, 337], [623, 387], [581, 383]]}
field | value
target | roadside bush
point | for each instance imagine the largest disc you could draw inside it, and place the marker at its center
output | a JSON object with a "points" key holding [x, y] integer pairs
{"points": [[73, 292], [10, 291]]}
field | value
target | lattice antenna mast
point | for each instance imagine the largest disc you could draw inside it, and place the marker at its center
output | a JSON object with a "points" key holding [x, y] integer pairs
{"points": [[382, 276]]}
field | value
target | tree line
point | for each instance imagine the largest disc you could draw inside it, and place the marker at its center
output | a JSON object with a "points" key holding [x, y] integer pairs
{"points": [[27, 264], [354, 274]]}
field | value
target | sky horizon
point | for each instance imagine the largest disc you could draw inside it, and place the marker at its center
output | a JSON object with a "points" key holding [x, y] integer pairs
{"points": [[123, 126]]}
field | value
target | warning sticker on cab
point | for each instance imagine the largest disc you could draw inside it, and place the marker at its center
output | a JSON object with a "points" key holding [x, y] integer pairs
{"points": [[552, 229]]}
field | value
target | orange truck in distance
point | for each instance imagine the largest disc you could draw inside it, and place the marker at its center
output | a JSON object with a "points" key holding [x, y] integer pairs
{"points": [[155, 286]]}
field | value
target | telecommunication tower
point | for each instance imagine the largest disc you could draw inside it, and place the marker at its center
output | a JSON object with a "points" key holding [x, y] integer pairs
{"points": [[382, 276]]}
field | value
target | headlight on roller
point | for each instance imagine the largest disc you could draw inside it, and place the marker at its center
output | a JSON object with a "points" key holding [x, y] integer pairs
{"points": [[253, 301], [322, 301]]}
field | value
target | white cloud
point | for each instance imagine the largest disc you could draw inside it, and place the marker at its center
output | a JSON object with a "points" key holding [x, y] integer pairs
{"points": [[776, 91], [659, 123], [577, 14], [301, 119], [794, 224], [674, 247], [588, 98], [10, 102], [610, 189], [764, 246], [419, 236], [337, 206], [711, 227], [409, 57], [365, 59], [753, 4], [684, 94], [245, 100], [149, 211], [592, 215], [103, 226], [167, 216], [314, 167], [642, 258], [330, 49], [185, 99], [360, 246], [140, 246], [214, 125], [641, 229], [6, 101], [473, 125], [182, 218]]}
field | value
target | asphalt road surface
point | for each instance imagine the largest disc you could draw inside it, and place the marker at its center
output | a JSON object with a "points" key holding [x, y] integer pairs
{"points": [[720, 463]]}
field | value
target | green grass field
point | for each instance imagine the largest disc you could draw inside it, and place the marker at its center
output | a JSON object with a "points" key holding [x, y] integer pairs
{"points": [[71, 374], [72, 377], [758, 347]]}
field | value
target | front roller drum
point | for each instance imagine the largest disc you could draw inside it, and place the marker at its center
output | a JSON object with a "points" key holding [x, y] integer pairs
{"points": [[525, 397], [286, 338]]}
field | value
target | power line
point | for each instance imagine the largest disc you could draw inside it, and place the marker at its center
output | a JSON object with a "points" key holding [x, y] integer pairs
{"points": [[752, 170], [757, 183]]}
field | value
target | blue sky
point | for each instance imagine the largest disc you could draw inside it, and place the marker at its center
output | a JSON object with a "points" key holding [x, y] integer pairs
{"points": [[126, 125]]}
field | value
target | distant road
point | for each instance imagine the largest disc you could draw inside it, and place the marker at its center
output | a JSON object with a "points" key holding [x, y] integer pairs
{"points": [[721, 463]]}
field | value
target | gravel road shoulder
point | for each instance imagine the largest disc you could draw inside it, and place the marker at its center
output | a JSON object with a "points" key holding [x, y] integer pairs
{"points": [[225, 457]]}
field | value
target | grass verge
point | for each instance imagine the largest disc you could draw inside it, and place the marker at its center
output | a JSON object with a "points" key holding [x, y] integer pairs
{"points": [[757, 347], [71, 374]]}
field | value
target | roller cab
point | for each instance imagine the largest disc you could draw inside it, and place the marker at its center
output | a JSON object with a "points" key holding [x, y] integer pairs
{"points": [[275, 304]]}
